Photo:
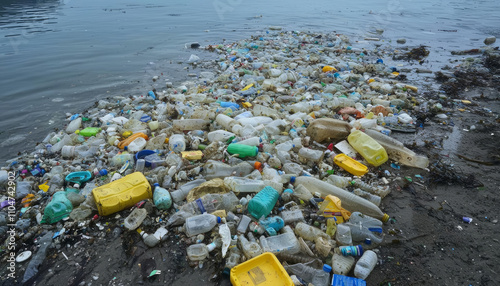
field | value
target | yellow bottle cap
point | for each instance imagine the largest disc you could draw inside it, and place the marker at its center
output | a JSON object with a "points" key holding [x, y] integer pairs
{"points": [[385, 218]]}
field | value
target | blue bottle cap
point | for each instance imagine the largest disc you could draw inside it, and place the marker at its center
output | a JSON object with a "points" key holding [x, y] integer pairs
{"points": [[292, 180], [156, 184], [103, 172], [219, 220], [327, 268], [368, 241]]}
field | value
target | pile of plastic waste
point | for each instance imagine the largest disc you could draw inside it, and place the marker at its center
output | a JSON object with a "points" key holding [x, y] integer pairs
{"points": [[273, 159]]}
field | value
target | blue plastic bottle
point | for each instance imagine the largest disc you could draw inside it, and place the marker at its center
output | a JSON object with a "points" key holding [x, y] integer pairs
{"points": [[162, 198], [232, 105], [263, 202]]}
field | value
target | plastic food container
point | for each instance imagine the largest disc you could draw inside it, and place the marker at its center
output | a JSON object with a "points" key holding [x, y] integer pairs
{"points": [[263, 270], [142, 154]]}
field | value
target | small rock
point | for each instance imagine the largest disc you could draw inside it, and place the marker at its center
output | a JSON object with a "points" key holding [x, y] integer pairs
{"points": [[490, 40], [401, 41]]}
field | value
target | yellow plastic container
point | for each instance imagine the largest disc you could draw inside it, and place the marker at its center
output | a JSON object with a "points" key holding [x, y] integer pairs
{"points": [[122, 193], [331, 208], [263, 270], [192, 155], [350, 165], [368, 147]]}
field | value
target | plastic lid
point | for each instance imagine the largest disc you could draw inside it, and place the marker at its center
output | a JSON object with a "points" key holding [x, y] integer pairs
{"points": [[327, 268], [23, 256], [76, 186], [385, 218], [368, 241], [156, 184], [219, 219], [292, 180]]}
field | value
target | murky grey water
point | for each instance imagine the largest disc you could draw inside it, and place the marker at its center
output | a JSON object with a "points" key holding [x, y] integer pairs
{"points": [[59, 57]]}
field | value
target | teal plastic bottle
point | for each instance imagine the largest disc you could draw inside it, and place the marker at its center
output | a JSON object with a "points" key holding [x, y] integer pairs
{"points": [[242, 150], [263, 202], [58, 208], [162, 198]]}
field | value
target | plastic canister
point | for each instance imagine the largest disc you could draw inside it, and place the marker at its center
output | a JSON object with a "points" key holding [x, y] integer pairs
{"points": [[263, 202], [68, 151], [122, 193], [370, 149], [161, 198], [58, 208], [365, 264]]}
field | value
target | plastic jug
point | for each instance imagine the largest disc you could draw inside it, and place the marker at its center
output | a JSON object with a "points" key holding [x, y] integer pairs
{"points": [[135, 218], [122, 193], [327, 130], [368, 147], [349, 200], [161, 198], [365, 227], [242, 150], [263, 202], [342, 264], [177, 143], [244, 185], [58, 208], [286, 242], [365, 265]]}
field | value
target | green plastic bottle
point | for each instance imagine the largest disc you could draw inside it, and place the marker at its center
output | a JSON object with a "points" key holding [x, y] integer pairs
{"points": [[242, 150], [58, 208], [90, 131]]}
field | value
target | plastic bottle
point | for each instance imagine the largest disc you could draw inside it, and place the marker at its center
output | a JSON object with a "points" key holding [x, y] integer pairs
{"points": [[89, 131], [200, 251], [215, 169], [190, 124], [286, 242], [177, 143], [398, 152], [252, 141], [250, 248], [368, 147], [200, 224], [137, 145], [365, 265], [74, 125], [233, 258], [367, 196], [327, 130], [244, 185], [255, 121], [308, 232], [219, 135], [243, 225], [139, 165], [180, 194], [135, 218], [225, 121], [343, 235], [339, 181], [57, 209], [285, 146], [37, 259], [262, 203], [307, 155], [342, 264], [242, 150], [162, 198], [379, 191], [349, 200], [122, 144], [365, 227], [318, 277], [350, 250], [302, 192]]}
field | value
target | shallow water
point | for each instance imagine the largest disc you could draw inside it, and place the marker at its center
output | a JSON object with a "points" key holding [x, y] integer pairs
{"points": [[59, 57]]}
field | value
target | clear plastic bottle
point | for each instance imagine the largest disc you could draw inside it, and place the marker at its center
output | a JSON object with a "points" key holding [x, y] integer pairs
{"points": [[307, 155], [219, 135], [398, 152], [190, 124], [225, 121], [308, 232], [135, 218], [349, 200], [379, 191], [233, 258], [180, 194], [365, 264], [177, 143], [367, 196], [137, 145], [244, 185], [200, 251], [285, 146], [250, 248], [339, 181], [243, 225], [139, 165], [215, 169], [252, 141], [318, 277], [200, 224]]}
